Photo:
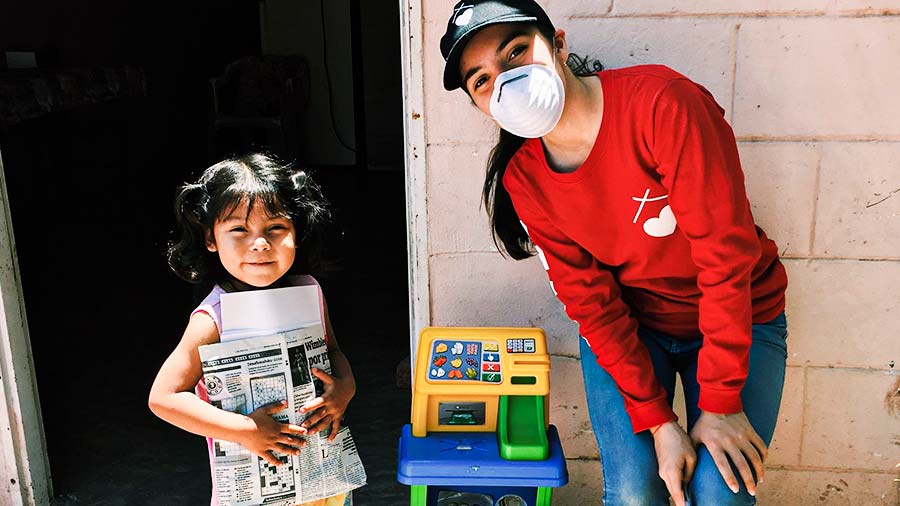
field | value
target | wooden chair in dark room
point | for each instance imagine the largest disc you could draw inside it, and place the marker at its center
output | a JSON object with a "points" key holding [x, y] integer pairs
{"points": [[260, 102]]}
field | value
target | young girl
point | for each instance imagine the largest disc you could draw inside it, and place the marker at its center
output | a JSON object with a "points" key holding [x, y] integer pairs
{"points": [[628, 186], [241, 227]]}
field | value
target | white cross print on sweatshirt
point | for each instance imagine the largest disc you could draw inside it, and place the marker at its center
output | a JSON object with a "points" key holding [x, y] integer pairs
{"points": [[658, 226]]}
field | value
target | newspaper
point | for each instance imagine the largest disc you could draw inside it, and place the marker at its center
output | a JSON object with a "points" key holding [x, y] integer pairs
{"points": [[270, 339]]}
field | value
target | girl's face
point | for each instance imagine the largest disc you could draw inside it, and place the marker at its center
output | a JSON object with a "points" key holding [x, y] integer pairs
{"points": [[255, 248], [498, 48]]}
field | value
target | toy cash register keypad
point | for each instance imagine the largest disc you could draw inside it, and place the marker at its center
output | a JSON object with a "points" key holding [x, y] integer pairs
{"points": [[520, 346], [465, 360]]}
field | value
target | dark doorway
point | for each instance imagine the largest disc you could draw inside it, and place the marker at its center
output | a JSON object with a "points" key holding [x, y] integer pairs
{"points": [[91, 179]]}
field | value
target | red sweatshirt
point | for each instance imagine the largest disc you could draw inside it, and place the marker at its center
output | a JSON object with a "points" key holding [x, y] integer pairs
{"points": [[654, 228]]}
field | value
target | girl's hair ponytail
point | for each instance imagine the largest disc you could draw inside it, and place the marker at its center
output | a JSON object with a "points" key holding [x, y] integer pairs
{"points": [[506, 230], [186, 255]]}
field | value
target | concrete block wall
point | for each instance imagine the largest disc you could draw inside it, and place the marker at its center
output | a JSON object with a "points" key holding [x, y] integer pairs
{"points": [[810, 89]]}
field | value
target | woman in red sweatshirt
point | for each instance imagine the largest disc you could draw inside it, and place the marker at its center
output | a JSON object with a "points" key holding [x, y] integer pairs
{"points": [[628, 186]]}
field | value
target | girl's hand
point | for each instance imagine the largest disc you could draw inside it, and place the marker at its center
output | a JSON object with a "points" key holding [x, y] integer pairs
{"points": [[267, 435], [732, 436], [676, 458], [329, 408]]}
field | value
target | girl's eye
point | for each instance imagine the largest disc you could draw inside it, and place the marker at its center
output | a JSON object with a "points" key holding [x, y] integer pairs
{"points": [[238, 229], [278, 227]]}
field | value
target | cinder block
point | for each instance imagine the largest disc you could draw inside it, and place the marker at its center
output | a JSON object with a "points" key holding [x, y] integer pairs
{"points": [[843, 313], [450, 116], [886, 7], [585, 484], [568, 408], [859, 200], [664, 7], [781, 180], [559, 10], [785, 446], [827, 488], [475, 289], [438, 11], [850, 422], [456, 218], [795, 77], [703, 50]]}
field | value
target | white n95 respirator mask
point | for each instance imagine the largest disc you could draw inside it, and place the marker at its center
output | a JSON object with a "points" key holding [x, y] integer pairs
{"points": [[528, 101]]}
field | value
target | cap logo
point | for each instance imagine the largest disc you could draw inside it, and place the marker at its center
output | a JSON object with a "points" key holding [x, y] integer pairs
{"points": [[462, 14]]}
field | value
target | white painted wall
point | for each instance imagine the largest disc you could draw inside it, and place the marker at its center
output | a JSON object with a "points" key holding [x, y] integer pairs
{"points": [[810, 88]]}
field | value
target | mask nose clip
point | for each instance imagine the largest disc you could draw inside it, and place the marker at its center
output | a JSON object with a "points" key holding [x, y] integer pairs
{"points": [[508, 81]]}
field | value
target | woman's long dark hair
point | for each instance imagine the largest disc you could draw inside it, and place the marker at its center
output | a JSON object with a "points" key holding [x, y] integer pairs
{"points": [[256, 179], [506, 230]]}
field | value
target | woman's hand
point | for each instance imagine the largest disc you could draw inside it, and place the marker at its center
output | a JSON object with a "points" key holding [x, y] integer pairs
{"points": [[266, 435], [329, 408], [676, 458], [732, 436]]}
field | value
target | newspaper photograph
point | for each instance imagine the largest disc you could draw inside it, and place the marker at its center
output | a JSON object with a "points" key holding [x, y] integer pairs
{"points": [[254, 366]]}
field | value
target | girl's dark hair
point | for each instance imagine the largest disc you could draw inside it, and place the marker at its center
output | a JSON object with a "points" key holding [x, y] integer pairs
{"points": [[256, 179], [506, 230]]}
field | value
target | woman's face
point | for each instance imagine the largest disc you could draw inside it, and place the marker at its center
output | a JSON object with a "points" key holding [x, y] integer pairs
{"points": [[501, 47]]}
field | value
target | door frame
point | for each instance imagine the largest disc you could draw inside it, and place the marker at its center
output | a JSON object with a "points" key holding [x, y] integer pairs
{"points": [[24, 464], [412, 64]]}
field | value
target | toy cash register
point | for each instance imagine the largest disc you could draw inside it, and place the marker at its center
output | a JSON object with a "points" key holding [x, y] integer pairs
{"points": [[480, 434]]}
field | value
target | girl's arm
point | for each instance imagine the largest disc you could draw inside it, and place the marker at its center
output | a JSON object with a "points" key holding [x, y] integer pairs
{"points": [[340, 387], [172, 399]]}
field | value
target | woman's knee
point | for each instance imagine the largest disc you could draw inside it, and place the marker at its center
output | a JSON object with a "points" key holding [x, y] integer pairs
{"points": [[633, 483], [639, 493], [708, 488], [712, 491]]}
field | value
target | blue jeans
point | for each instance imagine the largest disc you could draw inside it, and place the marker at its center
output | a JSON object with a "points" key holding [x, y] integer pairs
{"points": [[630, 474]]}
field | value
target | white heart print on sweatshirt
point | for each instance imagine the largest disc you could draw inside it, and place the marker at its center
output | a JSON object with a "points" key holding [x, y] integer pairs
{"points": [[662, 225]]}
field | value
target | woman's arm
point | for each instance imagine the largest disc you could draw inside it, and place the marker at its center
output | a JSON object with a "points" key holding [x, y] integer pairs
{"points": [[698, 160], [699, 163], [172, 399], [592, 298]]}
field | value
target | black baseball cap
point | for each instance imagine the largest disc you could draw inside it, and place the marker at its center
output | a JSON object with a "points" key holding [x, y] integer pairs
{"points": [[469, 16]]}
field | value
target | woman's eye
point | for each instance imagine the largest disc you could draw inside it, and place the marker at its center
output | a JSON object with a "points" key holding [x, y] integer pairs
{"points": [[516, 52], [478, 82]]}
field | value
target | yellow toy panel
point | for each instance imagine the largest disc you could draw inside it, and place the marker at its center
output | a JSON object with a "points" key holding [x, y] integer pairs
{"points": [[461, 372]]}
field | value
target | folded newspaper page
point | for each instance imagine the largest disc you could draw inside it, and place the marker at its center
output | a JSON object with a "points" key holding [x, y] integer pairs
{"points": [[265, 356]]}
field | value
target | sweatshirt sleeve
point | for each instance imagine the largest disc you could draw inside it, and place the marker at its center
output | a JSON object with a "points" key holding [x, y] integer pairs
{"points": [[592, 299], [698, 161]]}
